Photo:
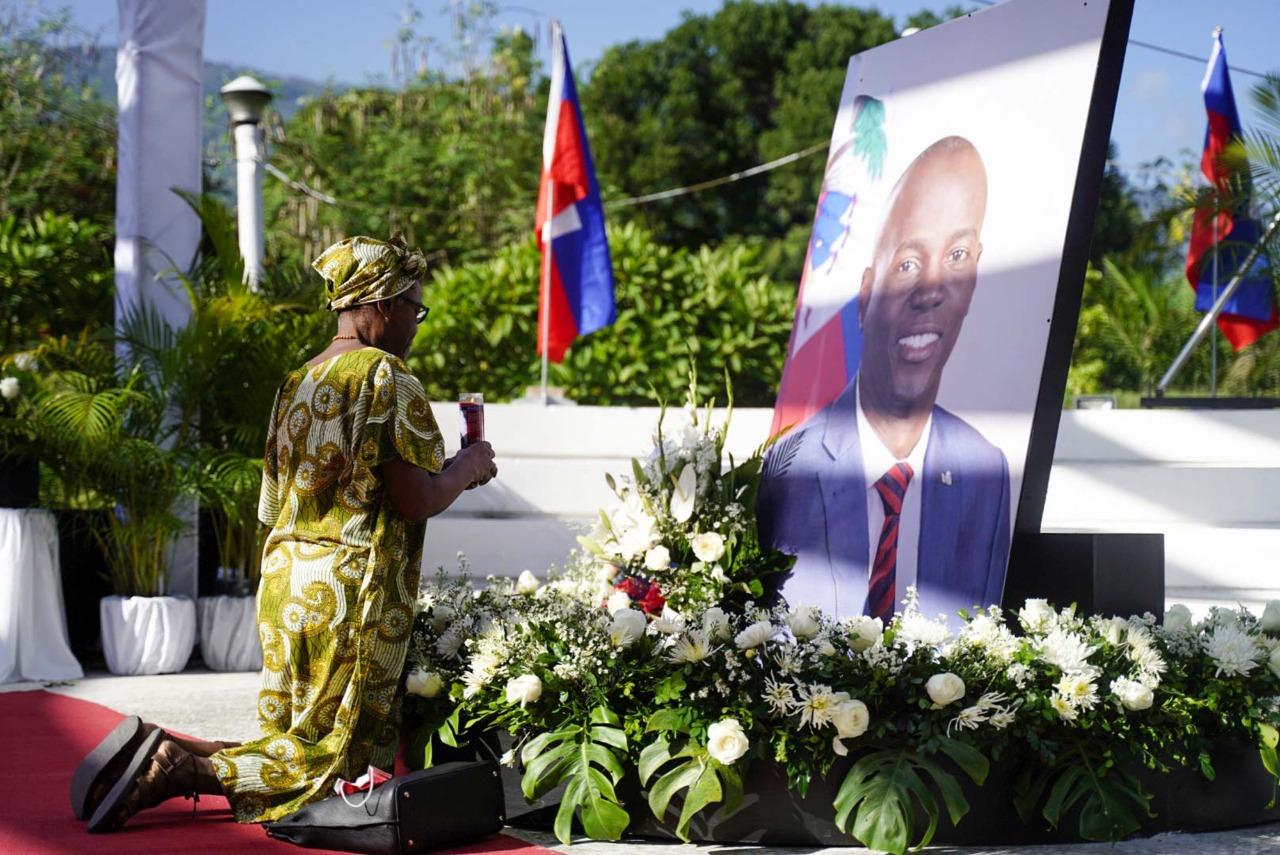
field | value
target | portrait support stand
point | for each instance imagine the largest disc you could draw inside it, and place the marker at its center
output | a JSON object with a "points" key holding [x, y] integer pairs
{"points": [[1100, 572]]}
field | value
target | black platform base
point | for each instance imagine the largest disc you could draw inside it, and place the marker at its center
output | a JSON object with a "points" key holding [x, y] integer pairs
{"points": [[1104, 574]]}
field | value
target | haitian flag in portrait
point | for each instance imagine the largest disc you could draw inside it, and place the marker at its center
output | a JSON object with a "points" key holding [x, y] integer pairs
{"points": [[1251, 311], [576, 296]]}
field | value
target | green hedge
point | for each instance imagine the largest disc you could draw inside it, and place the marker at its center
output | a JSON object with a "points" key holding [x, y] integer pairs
{"points": [[712, 310]]}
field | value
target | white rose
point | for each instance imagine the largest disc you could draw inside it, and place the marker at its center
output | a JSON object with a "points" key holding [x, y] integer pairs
{"points": [[851, 718], [715, 623], [755, 635], [803, 623], [1177, 618], [1036, 615], [1273, 662], [527, 583], [944, 689], [1271, 617], [423, 683], [524, 689], [708, 546], [726, 742], [440, 617], [684, 496], [9, 388], [618, 601], [1132, 694], [865, 632], [627, 626], [658, 558]]}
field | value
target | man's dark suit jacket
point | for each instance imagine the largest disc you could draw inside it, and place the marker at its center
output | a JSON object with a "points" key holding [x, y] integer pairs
{"points": [[813, 504]]}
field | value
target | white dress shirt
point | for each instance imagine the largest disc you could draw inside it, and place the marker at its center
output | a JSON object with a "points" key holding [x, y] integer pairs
{"points": [[876, 461]]}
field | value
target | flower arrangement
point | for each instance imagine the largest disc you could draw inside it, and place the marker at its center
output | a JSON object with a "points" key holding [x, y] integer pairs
{"points": [[613, 695], [681, 531]]}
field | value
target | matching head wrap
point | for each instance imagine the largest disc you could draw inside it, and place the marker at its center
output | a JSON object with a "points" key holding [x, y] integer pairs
{"points": [[362, 270]]}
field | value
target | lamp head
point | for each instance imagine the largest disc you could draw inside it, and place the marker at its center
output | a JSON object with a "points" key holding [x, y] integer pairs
{"points": [[245, 98]]}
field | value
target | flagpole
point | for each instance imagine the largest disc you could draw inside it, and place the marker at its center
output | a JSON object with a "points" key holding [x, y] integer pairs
{"points": [[546, 280], [547, 232], [1213, 333]]}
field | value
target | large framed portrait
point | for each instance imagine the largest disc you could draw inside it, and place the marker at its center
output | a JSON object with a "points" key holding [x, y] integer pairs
{"points": [[919, 401]]}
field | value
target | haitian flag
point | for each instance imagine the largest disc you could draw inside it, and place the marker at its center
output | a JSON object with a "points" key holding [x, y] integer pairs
{"points": [[576, 296], [1251, 311]]}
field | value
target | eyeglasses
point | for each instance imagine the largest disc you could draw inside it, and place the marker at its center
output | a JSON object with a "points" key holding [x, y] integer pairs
{"points": [[419, 311]]}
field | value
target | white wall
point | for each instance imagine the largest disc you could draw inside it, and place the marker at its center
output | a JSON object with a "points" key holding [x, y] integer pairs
{"points": [[1209, 480]]}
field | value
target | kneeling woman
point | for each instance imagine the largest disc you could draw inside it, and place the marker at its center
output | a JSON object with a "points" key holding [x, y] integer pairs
{"points": [[354, 466]]}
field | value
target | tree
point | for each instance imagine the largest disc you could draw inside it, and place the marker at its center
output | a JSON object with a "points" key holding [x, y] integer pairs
{"points": [[720, 93], [450, 164], [57, 151]]}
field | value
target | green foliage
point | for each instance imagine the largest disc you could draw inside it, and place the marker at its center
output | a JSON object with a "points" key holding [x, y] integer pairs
{"points": [[718, 93], [55, 278], [689, 769], [588, 757], [884, 787], [1108, 797], [709, 311], [450, 164], [1133, 322], [58, 148]]}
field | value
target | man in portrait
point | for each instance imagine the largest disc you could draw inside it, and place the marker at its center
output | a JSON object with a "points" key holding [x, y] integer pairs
{"points": [[882, 489]]}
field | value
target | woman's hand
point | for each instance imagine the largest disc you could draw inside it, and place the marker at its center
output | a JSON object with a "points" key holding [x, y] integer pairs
{"points": [[477, 460]]}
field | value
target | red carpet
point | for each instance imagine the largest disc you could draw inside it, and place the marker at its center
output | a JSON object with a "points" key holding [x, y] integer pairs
{"points": [[42, 738]]}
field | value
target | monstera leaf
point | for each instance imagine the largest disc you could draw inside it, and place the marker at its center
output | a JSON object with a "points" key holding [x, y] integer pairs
{"points": [[589, 758]]}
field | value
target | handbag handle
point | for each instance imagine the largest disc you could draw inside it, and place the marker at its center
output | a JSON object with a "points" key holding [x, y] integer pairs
{"points": [[369, 792]]}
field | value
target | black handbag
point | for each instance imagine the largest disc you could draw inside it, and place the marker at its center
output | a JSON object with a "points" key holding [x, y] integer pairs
{"points": [[446, 805]]}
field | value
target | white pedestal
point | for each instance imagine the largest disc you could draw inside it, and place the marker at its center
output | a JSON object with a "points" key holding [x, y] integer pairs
{"points": [[229, 633], [33, 623]]}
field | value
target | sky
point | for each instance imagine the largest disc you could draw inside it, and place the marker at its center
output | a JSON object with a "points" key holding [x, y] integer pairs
{"points": [[1159, 112]]}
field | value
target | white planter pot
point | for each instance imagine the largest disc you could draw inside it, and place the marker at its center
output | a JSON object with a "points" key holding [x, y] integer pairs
{"points": [[229, 633], [147, 635]]}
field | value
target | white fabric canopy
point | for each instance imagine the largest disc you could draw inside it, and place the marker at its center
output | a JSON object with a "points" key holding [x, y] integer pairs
{"points": [[159, 70], [33, 625]]}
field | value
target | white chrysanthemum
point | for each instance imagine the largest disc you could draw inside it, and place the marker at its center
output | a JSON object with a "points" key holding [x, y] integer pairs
{"points": [[1232, 650], [1063, 707], [1019, 674], [448, 644], [1068, 652], [916, 629], [991, 636], [715, 623], [1079, 690], [671, 622], [755, 635], [817, 704], [779, 696], [1003, 719], [693, 647]]}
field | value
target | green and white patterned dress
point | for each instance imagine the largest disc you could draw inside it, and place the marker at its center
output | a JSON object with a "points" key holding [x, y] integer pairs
{"points": [[339, 581]]}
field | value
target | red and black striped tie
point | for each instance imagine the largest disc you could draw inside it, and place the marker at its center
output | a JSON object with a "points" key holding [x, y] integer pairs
{"points": [[881, 596]]}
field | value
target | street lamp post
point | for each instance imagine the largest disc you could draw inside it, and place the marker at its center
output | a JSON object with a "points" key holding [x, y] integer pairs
{"points": [[245, 99]]}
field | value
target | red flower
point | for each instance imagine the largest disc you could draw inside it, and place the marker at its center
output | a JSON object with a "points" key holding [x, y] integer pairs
{"points": [[633, 587], [652, 602]]}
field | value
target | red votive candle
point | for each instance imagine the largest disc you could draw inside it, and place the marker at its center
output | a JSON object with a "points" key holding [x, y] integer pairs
{"points": [[471, 417]]}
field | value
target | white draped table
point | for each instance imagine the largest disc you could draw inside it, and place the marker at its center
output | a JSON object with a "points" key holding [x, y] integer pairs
{"points": [[33, 624]]}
